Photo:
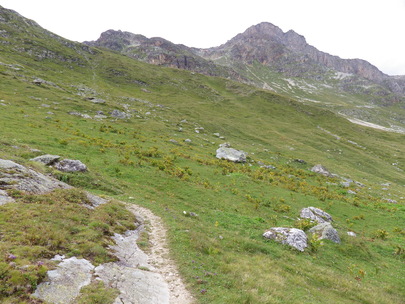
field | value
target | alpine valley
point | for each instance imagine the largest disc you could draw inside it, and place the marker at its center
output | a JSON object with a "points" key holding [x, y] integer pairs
{"points": [[264, 170]]}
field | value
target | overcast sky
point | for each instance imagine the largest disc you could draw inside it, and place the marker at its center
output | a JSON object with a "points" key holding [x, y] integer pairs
{"points": [[368, 29]]}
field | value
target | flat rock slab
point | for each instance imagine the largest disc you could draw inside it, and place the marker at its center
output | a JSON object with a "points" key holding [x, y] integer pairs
{"points": [[65, 281], [135, 285], [15, 176]]}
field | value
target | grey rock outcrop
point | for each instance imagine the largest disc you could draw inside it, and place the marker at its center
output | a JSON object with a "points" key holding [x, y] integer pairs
{"points": [[95, 200], [231, 154], [64, 283], [71, 165], [315, 214], [46, 159], [326, 231], [321, 170], [291, 236], [5, 198], [15, 176]]}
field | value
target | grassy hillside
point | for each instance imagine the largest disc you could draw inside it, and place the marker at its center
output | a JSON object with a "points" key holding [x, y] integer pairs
{"points": [[145, 160]]}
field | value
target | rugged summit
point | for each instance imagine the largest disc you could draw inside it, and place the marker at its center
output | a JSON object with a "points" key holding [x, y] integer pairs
{"points": [[289, 53]]}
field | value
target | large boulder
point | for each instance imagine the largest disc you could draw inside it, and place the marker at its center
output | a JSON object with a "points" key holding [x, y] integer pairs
{"points": [[46, 159], [290, 236], [326, 231], [71, 165], [231, 154], [321, 170], [15, 176], [315, 214]]}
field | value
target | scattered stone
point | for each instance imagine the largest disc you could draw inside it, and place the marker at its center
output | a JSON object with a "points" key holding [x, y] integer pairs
{"points": [[325, 231], [225, 145], [351, 233], [15, 176], [321, 170], [389, 200], [268, 167], [351, 192], [100, 117], [45, 105], [291, 236], [345, 184], [187, 140], [64, 283], [173, 141], [216, 134], [120, 114], [97, 100], [191, 214], [231, 154], [46, 159], [360, 184], [74, 113], [180, 129], [199, 130], [301, 161], [315, 214], [71, 165], [38, 81]]}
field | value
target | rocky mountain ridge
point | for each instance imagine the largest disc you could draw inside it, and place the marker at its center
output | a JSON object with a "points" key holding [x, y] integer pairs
{"points": [[286, 53]]}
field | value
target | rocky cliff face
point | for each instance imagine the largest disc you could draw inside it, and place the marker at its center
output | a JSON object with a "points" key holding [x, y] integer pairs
{"points": [[159, 51]]}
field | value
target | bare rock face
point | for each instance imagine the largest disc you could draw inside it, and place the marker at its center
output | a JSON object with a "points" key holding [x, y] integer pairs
{"points": [[290, 236], [231, 154], [64, 283], [315, 214], [15, 176], [326, 231], [71, 165]]}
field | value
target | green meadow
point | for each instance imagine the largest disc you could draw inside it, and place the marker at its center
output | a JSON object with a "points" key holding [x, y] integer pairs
{"points": [[145, 160]]}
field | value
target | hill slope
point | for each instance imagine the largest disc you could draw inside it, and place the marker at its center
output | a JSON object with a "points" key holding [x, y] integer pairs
{"points": [[129, 121]]}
